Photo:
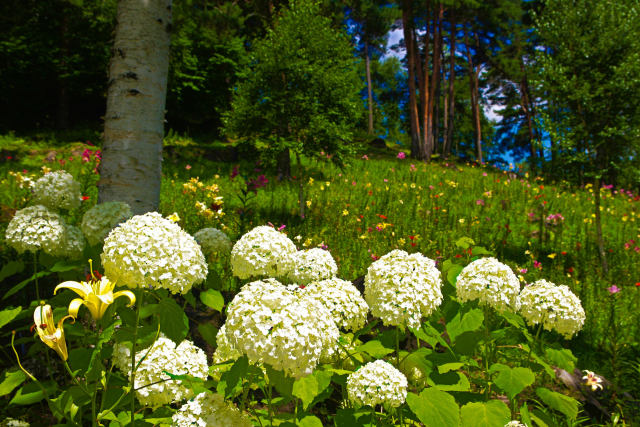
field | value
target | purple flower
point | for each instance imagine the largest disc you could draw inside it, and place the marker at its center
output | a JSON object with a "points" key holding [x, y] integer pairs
{"points": [[613, 289], [401, 155], [235, 172]]}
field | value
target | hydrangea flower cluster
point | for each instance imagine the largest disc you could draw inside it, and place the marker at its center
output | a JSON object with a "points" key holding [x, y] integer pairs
{"points": [[225, 351], [72, 245], [342, 299], [514, 423], [401, 289], [164, 355], [272, 324], [100, 219], [262, 251], [214, 243], [491, 282], [149, 250], [555, 307], [310, 265], [377, 383], [57, 190], [209, 409], [36, 228]]}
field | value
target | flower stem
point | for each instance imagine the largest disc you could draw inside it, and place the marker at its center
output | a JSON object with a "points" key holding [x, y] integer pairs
{"points": [[35, 274], [133, 359]]}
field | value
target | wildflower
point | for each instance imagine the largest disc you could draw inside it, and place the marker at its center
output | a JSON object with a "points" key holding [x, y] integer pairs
{"points": [[480, 202], [187, 167], [537, 264], [592, 380], [48, 332], [345, 212], [365, 157], [96, 295], [613, 289], [401, 155], [377, 383], [174, 217]]}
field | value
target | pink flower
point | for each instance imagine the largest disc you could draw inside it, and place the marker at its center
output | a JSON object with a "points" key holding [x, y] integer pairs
{"points": [[523, 271], [365, 157], [187, 167], [353, 183], [613, 289], [480, 202], [484, 174], [537, 264], [401, 155], [282, 227], [385, 180], [413, 167]]}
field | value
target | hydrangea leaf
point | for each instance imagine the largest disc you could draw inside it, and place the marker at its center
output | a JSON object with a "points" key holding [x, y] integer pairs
{"points": [[310, 421], [434, 408], [470, 321], [309, 387], [374, 348], [11, 380], [485, 414], [213, 299], [563, 358], [173, 321], [561, 403], [8, 314], [513, 380]]}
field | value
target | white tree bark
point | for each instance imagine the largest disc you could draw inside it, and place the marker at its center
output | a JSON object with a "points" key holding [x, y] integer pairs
{"points": [[134, 122]]}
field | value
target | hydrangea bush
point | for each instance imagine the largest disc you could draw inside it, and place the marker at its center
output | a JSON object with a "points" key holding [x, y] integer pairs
{"points": [[100, 219]]}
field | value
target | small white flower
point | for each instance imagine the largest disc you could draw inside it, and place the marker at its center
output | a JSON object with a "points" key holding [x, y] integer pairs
{"points": [[310, 265], [210, 409], [342, 299]]}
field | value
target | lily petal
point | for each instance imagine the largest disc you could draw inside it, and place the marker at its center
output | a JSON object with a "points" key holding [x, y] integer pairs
{"points": [[80, 288], [74, 306], [128, 294]]}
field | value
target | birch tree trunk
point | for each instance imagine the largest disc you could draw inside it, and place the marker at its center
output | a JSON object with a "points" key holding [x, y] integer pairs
{"points": [[134, 122]]}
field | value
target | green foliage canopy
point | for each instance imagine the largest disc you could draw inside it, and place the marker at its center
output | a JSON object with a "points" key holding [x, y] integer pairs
{"points": [[301, 89]]}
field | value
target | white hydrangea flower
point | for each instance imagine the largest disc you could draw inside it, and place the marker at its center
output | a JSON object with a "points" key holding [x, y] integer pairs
{"points": [[272, 324], [34, 228], [555, 307], [184, 359], [72, 245], [491, 282], [342, 299], [12, 422], [57, 190], [100, 219], [214, 243], [310, 265], [225, 351], [149, 250], [262, 251], [377, 383], [401, 289], [514, 423], [210, 409]]}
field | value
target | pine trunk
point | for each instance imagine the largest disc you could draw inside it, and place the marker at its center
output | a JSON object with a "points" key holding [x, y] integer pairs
{"points": [[451, 97], [407, 26], [435, 75], [134, 122], [369, 88], [475, 100]]}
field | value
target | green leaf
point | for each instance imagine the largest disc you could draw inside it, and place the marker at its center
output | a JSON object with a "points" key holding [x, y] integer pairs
{"points": [[464, 242], [307, 388], [450, 381], [310, 421], [280, 381], [213, 299], [452, 274], [24, 283], [62, 266], [11, 268], [513, 380], [561, 403], [454, 366], [563, 358], [11, 380], [434, 408], [493, 413], [375, 349], [208, 332], [524, 415], [8, 314], [479, 250], [28, 394], [173, 321], [469, 322], [233, 376]]}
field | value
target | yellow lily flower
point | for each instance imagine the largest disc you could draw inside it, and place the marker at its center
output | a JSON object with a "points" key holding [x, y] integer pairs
{"points": [[50, 334], [96, 295]]}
